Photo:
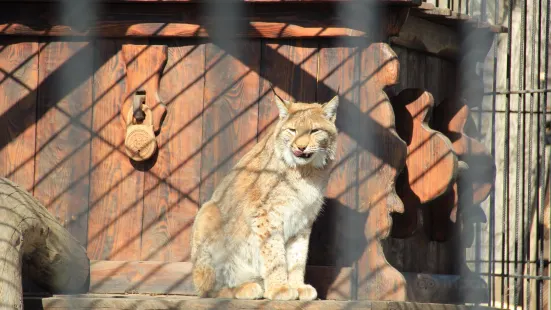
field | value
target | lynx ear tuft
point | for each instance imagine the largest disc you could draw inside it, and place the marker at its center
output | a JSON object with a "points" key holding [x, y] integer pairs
{"points": [[282, 105], [330, 108]]}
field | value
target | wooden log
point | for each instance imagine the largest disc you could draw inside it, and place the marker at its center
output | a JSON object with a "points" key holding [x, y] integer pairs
{"points": [[32, 237], [430, 165]]}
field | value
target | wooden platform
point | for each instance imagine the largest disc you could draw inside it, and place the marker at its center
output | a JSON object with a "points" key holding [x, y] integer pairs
{"points": [[136, 302]]}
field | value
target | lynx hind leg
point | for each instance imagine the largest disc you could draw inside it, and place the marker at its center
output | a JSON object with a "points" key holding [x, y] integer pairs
{"points": [[204, 279], [205, 228], [247, 290], [207, 224]]}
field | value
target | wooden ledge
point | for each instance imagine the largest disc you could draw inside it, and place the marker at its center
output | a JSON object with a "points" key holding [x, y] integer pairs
{"points": [[448, 17], [93, 301], [174, 278]]}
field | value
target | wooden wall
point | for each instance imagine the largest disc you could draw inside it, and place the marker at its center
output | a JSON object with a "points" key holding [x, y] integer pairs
{"points": [[61, 137]]}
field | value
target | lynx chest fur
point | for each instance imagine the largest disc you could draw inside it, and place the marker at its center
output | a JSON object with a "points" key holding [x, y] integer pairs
{"points": [[250, 240], [304, 205]]}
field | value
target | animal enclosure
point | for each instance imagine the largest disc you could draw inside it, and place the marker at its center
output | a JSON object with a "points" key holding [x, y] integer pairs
{"points": [[69, 81]]}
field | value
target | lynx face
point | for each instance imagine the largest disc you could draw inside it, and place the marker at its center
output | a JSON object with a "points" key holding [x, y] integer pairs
{"points": [[306, 132]]}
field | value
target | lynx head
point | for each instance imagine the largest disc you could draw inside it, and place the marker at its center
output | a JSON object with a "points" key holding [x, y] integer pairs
{"points": [[306, 133]]}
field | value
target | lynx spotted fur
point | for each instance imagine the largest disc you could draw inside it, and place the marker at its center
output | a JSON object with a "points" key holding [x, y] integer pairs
{"points": [[251, 239]]}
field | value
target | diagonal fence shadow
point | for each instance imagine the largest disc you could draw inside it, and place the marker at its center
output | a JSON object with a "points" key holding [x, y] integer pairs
{"points": [[186, 195]]}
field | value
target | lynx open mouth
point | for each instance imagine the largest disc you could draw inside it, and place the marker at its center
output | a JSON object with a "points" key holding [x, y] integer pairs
{"points": [[304, 155]]}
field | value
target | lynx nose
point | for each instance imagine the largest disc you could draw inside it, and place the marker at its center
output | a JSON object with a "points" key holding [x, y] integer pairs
{"points": [[301, 148]]}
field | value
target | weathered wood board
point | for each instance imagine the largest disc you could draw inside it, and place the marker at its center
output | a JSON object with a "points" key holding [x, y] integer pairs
{"points": [[18, 95], [116, 186], [64, 132], [172, 182], [142, 302], [230, 109]]}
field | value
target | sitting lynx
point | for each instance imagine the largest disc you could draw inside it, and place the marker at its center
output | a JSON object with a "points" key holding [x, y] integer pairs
{"points": [[251, 239]]}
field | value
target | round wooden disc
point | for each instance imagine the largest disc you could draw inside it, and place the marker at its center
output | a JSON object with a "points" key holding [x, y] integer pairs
{"points": [[140, 143]]}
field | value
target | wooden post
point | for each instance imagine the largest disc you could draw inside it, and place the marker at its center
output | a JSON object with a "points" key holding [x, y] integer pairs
{"points": [[31, 236]]}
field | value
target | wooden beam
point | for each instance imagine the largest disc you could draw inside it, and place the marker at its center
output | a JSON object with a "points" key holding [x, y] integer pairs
{"points": [[121, 29], [448, 17], [426, 36], [332, 283], [193, 20], [406, 2]]}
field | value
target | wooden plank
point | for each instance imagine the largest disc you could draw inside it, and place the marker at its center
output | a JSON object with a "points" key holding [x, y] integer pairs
{"points": [[140, 277], [62, 177], [116, 191], [381, 158], [230, 118], [334, 235], [142, 302], [18, 83], [149, 277], [291, 67], [453, 18], [171, 197]]}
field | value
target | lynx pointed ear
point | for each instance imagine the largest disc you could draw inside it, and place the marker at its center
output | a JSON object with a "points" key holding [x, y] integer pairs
{"points": [[330, 108], [282, 105]]}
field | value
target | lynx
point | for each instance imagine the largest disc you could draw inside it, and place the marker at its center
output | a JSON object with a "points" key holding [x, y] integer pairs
{"points": [[250, 241]]}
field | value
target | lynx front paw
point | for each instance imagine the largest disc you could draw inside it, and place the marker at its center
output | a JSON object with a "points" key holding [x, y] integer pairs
{"points": [[281, 292], [250, 290], [307, 292]]}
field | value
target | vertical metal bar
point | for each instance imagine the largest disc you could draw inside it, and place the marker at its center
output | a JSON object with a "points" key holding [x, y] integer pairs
{"points": [[483, 8], [491, 250], [544, 113], [541, 176], [522, 56], [530, 134], [505, 217]]}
